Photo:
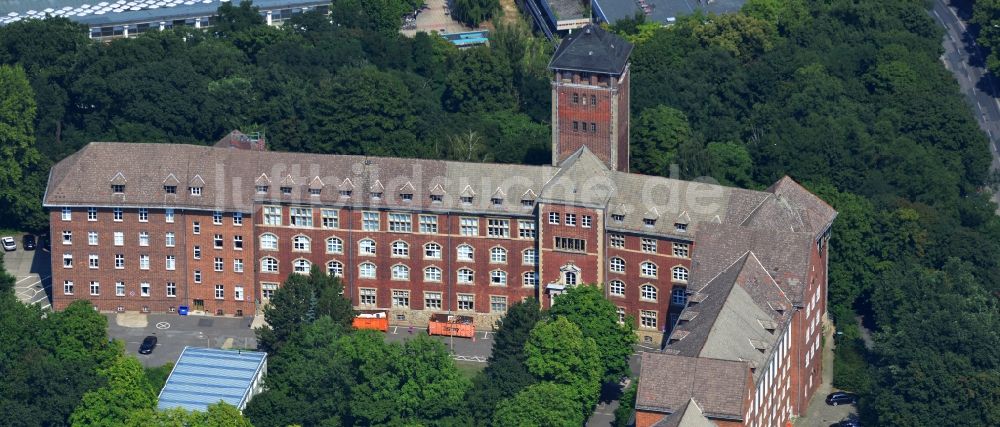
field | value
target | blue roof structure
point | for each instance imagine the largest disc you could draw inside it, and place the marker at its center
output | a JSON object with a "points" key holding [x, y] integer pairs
{"points": [[204, 376], [663, 11], [118, 12]]}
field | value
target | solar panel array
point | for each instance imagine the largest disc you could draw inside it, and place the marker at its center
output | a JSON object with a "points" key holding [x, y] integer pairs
{"points": [[204, 376], [104, 7]]}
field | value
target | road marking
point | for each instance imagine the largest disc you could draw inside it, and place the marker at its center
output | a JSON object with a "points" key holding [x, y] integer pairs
{"points": [[25, 278], [394, 328], [163, 325], [486, 335]]}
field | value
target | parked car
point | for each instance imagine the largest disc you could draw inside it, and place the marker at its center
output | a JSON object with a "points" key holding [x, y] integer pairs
{"points": [[147, 345], [841, 398], [28, 242], [847, 423], [8, 243]]}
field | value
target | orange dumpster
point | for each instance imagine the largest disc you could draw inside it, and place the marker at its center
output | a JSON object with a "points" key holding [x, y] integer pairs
{"points": [[375, 320], [451, 325]]}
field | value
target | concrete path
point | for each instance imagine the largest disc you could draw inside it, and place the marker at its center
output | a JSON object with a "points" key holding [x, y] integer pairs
{"points": [[819, 414]]}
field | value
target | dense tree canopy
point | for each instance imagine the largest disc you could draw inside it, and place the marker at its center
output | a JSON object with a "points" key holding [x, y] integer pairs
{"points": [[300, 301]]}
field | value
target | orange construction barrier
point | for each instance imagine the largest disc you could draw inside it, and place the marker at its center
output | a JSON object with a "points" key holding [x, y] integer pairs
{"points": [[451, 325]]}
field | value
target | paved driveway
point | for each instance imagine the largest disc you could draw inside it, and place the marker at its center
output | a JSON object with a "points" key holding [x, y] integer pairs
{"points": [[174, 332], [32, 272], [463, 349]]}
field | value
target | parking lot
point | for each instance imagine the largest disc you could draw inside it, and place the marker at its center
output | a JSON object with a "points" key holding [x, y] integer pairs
{"points": [[32, 273], [174, 332]]}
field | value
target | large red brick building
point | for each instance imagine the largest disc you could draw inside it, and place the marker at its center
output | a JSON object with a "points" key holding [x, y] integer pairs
{"points": [[742, 273]]}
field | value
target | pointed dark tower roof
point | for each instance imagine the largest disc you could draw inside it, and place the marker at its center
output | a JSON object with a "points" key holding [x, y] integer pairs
{"points": [[592, 49]]}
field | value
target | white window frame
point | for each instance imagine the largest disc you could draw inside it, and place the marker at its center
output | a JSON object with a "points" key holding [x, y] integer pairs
{"points": [[648, 269], [465, 276], [301, 266], [433, 250], [301, 243], [400, 298], [466, 302], [465, 249], [400, 249], [469, 226], [433, 274], [400, 272], [498, 278], [679, 274], [301, 217], [498, 228], [433, 301], [400, 222], [428, 224], [616, 265], [366, 267], [272, 215], [526, 229], [269, 264], [370, 221], [335, 268], [616, 288], [368, 297], [554, 218], [367, 247], [529, 256], [329, 218], [498, 304], [648, 292]]}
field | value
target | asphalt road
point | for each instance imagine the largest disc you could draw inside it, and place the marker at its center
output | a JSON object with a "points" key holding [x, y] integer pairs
{"points": [[174, 332], [32, 273], [966, 59]]}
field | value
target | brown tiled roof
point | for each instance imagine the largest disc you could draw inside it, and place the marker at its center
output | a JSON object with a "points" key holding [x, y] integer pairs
{"points": [[688, 416], [668, 382]]}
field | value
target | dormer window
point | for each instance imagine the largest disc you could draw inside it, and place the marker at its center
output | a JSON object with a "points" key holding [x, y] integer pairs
{"points": [[195, 191], [437, 198], [618, 217], [680, 228], [496, 201], [315, 192], [261, 189], [649, 222], [467, 200], [527, 203], [286, 191], [407, 197], [345, 193], [118, 188], [377, 195], [170, 189]]}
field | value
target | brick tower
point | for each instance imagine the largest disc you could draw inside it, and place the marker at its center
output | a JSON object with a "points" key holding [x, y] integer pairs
{"points": [[590, 96]]}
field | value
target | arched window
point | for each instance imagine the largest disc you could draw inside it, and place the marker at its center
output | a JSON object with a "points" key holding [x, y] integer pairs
{"points": [[617, 265], [466, 275], [268, 242], [302, 266], [432, 251], [366, 270], [648, 292], [334, 245], [679, 296], [616, 288], [335, 268], [498, 278], [498, 255], [529, 257], [680, 274], [647, 269], [432, 274], [465, 252], [366, 247], [570, 278], [301, 243], [400, 272], [268, 265], [400, 249]]}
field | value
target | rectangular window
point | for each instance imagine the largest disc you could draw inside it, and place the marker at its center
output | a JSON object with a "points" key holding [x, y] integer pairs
{"points": [[330, 218], [267, 290], [144, 262], [238, 243], [168, 216], [67, 260], [680, 228], [647, 318], [571, 219], [466, 302], [576, 126], [197, 252], [570, 244], [432, 300], [196, 227], [526, 229], [301, 217], [315, 192], [171, 289], [144, 289], [217, 218], [93, 261], [119, 238], [369, 221], [498, 304], [119, 289], [118, 214], [67, 214], [238, 293], [285, 190], [429, 224], [143, 215], [217, 241], [649, 245], [143, 238], [530, 279], [238, 265], [171, 262], [197, 276], [469, 226], [554, 218], [195, 191], [68, 287], [237, 218], [218, 264], [593, 127], [367, 297], [170, 240], [220, 291], [682, 250], [272, 215], [401, 299], [91, 214], [95, 288], [119, 261], [400, 222], [498, 228], [618, 217], [529, 257], [92, 238], [67, 237], [617, 241], [586, 221]]}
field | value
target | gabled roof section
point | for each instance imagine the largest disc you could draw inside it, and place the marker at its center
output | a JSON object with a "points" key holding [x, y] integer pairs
{"points": [[171, 180], [792, 208], [529, 195], [262, 180], [592, 49], [287, 181], [651, 214], [498, 194], [467, 192], [407, 188], [690, 415], [346, 185], [118, 179], [196, 181], [377, 187], [582, 179], [438, 190], [669, 382], [316, 184]]}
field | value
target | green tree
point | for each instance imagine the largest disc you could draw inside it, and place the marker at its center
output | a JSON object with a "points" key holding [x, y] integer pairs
{"points": [[746, 37], [542, 404], [597, 319], [730, 164], [20, 196], [559, 352], [656, 135], [986, 13], [232, 19], [301, 300], [474, 12], [127, 391], [480, 80]]}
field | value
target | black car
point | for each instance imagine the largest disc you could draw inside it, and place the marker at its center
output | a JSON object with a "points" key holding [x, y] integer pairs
{"points": [[28, 242], [147, 345], [841, 398]]}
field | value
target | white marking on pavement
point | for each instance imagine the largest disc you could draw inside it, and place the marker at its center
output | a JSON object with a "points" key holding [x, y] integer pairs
{"points": [[163, 325]]}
